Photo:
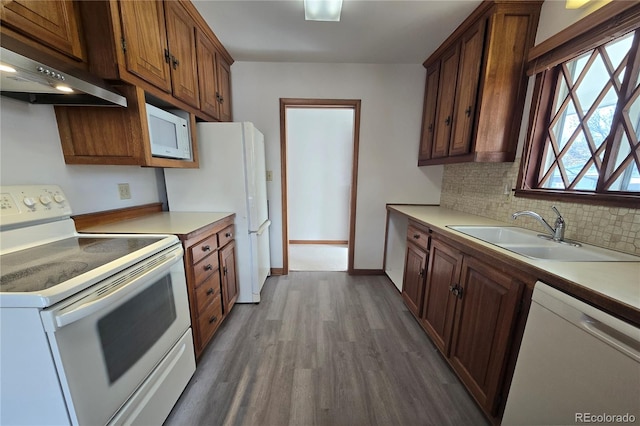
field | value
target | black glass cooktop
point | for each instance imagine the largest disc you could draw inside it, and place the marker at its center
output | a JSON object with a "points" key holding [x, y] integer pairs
{"points": [[47, 265]]}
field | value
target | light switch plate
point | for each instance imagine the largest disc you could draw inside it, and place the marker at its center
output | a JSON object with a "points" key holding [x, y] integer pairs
{"points": [[269, 175]]}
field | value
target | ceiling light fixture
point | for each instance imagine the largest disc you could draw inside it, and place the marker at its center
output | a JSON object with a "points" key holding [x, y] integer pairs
{"points": [[322, 10], [575, 4]]}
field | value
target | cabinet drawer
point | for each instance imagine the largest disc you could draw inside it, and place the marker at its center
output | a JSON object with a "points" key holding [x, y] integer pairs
{"points": [[209, 320], [418, 237], [203, 248], [205, 267], [207, 292], [225, 236]]}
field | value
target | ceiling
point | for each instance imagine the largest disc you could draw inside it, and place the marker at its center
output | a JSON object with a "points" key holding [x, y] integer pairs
{"points": [[370, 31]]}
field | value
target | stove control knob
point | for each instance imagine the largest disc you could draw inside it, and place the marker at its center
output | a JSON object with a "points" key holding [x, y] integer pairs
{"points": [[58, 198], [29, 202], [45, 199]]}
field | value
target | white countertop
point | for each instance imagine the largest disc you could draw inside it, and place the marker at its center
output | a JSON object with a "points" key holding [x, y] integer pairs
{"points": [[180, 223], [619, 281]]}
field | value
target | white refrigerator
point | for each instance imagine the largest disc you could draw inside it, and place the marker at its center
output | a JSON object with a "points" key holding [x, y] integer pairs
{"points": [[231, 178]]}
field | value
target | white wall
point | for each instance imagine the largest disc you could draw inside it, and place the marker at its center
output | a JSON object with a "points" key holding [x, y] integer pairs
{"points": [[389, 137], [30, 153], [319, 190]]}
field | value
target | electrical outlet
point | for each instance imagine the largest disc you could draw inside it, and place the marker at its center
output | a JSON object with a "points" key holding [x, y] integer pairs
{"points": [[125, 191], [269, 175]]}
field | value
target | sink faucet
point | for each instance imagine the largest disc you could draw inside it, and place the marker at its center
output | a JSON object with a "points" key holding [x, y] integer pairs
{"points": [[557, 233]]}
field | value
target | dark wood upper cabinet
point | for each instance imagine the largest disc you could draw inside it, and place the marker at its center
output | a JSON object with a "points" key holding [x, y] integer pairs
{"points": [[481, 85], [207, 76], [214, 74], [429, 116], [181, 35], [446, 100], [471, 47], [164, 47], [224, 87], [54, 24], [144, 41]]}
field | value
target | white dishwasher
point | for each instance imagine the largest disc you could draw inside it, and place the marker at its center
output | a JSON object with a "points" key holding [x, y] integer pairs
{"points": [[577, 364]]}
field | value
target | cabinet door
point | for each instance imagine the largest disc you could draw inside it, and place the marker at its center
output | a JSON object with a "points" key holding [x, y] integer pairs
{"points": [[52, 23], [207, 76], [443, 273], [484, 320], [446, 98], [471, 48], [229, 277], [414, 278], [224, 87], [429, 111], [145, 38], [181, 35]]}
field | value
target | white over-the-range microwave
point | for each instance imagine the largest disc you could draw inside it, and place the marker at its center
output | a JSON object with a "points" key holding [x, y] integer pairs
{"points": [[169, 134]]}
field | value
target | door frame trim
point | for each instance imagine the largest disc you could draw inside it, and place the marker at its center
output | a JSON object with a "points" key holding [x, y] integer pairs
{"points": [[353, 104]]}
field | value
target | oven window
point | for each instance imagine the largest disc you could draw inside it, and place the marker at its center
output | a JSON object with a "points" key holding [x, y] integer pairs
{"points": [[127, 332]]}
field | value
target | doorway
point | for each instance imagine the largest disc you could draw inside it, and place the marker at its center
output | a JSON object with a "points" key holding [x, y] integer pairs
{"points": [[318, 188]]}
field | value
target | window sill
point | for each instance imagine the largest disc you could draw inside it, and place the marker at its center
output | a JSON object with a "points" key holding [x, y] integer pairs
{"points": [[612, 200]]}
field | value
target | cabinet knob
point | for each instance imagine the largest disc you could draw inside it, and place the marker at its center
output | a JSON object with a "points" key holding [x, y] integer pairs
{"points": [[447, 121], [421, 273], [167, 56], [209, 292], [430, 128], [416, 236], [213, 319], [224, 270], [208, 267], [221, 100], [175, 62], [228, 235], [468, 111], [206, 248]]}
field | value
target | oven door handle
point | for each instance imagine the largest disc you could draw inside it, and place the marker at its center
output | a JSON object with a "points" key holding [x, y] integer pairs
{"points": [[80, 310]]}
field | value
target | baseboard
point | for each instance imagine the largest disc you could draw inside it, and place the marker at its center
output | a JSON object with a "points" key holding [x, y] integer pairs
{"points": [[366, 272], [277, 271], [327, 242]]}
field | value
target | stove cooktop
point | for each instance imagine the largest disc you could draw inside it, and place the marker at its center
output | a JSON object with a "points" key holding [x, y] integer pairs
{"points": [[45, 266]]}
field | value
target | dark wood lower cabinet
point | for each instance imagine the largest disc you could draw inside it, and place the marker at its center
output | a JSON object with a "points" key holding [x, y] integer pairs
{"points": [[469, 310], [484, 318], [439, 302], [229, 276], [414, 278]]}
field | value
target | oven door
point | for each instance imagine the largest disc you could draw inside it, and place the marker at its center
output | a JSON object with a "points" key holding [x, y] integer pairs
{"points": [[108, 339]]}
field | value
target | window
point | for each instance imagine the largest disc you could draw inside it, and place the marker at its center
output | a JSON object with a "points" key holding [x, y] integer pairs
{"points": [[584, 138]]}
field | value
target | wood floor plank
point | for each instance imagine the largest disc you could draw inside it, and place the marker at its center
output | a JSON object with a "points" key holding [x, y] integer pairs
{"points": [[324, 348]]}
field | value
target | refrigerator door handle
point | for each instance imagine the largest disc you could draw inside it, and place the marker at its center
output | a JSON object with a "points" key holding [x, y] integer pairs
{"points": [[262, 228]]}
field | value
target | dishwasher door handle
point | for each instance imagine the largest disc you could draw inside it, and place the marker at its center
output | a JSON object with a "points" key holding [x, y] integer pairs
{"points": [[630, 345]]}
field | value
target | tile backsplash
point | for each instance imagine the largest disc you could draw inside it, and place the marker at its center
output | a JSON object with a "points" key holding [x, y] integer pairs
{"points": [[479, 188]]}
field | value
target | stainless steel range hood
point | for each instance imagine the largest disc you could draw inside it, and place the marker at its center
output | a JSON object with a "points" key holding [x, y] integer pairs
{"points": [[31, 81]]}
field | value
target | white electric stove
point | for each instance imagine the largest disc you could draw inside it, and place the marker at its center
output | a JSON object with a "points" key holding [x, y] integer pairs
{"points": [[94, 329]]}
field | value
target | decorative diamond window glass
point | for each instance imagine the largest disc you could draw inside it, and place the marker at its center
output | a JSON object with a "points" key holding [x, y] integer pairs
{"points": [[588, 131]]}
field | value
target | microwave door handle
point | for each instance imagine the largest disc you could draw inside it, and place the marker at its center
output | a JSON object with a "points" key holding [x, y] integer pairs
{"points": [[125, 289]]}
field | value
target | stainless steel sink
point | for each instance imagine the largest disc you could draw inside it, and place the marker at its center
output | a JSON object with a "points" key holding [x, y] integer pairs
{"points": [[528, 243]]}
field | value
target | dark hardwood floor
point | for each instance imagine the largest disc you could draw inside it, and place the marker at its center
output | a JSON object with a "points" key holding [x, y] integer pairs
{"points": [[324, 348]]}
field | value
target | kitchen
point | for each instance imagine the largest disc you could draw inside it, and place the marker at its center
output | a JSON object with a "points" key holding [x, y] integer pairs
{"points": [[391, 93]]}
